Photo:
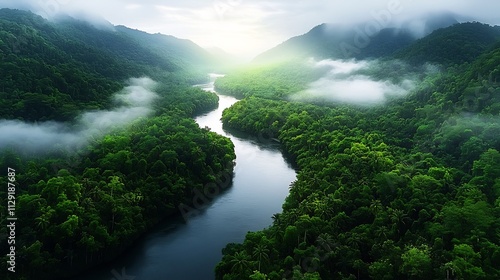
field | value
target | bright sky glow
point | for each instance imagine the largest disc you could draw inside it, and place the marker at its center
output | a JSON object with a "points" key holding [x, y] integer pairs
{"points": [[243, 27]]}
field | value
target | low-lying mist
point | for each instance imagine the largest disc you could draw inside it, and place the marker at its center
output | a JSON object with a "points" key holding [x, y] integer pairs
{"points": [[133, 102], [365, 82]]}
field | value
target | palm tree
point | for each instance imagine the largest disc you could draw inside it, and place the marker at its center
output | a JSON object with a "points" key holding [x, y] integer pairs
{"points": [[277, 219], [42, 221], [326, 241], [382, 232], [240, 262], [376, 206], [261, 252], [354, 240], [399, 218]]}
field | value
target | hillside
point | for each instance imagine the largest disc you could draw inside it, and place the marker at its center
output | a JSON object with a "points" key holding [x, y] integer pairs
{"points": [[453, 45], [182, 52], [80, 66], [443, 48], [408, 188], [344, 41], [97, 140]]}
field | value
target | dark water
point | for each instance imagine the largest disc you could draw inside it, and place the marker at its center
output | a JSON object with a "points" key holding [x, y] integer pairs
{"points": [[189, 250]]}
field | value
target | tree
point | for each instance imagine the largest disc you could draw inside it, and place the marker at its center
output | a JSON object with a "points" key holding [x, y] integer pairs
{"points": [[261, 253], [376, 206], [240, 263], [400, 219], [487, 171], [382, 270], [466, 263], [461, 220], [417, 262], [258, 276]]}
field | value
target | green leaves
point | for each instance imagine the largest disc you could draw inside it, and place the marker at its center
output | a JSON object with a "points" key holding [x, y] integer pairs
{"points": [[416, 262], [378, 179], [461, 219], [466, 263]]}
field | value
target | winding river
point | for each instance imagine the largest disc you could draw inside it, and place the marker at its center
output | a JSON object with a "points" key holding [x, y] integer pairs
{"points": [[190, 250]]}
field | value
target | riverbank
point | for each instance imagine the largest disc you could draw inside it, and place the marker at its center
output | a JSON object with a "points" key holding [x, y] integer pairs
{"points": [[190, 249]]}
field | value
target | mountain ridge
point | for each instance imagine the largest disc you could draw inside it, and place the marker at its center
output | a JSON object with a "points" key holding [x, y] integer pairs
{"points": [[69, 61], [357, 41]]}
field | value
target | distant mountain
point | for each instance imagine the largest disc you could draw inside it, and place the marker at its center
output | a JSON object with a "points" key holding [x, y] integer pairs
{"points": [[127, 45], [359, 41], [424, 25], [453, 45], [52, 69], [182, 52]]}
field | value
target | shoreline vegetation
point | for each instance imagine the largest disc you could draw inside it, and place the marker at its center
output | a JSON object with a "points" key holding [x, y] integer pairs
{"points": [[404, 189], [98, 160], [396, 148]]}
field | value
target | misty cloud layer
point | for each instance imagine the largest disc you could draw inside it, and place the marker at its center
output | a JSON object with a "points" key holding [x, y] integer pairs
{"points": [[133, 102], [353, 82], [250, 27]]}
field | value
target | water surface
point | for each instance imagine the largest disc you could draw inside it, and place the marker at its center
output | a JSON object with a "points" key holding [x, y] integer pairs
{"points": [[189, 250]]}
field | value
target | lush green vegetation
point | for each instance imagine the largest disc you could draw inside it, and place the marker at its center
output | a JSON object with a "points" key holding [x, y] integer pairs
{"points": [[275, 80], [53, 71], [85, 208], [454, 45], [447, 47], [76, 209], [405, 190]]}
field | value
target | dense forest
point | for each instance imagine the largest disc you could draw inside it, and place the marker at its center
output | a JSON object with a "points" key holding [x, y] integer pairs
{"points": [[54, 70], [407, 189], [82, 205]]}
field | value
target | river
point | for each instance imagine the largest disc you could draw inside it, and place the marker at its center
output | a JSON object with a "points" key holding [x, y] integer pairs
{"points": [[189, 250]]}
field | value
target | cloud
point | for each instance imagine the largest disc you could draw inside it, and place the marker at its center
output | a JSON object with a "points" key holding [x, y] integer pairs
{"points": [[251, 27], [353, 82], [134, 102], [133, 6]]}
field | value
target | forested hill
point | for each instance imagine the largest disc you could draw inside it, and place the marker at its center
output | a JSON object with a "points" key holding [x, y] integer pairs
{"points": [[370, 39], [446, 47], [182, 52], [408, 188], [97, 136], [452, 46], [80, 65]]}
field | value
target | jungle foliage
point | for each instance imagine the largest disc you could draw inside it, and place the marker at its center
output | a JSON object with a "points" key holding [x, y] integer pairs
{"points": [[405, 190], [80, 208]]}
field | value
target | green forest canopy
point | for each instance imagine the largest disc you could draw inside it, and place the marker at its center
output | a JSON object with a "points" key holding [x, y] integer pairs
{"points": [[82, 208], [409, 190]]}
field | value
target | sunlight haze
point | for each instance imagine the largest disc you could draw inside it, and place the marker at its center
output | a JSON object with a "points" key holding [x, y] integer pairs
{"points": [[241, 27]]}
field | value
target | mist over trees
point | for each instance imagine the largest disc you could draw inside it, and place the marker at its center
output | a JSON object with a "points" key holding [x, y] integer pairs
{"points": [[100, 132], [403, 189], [395, 144]]}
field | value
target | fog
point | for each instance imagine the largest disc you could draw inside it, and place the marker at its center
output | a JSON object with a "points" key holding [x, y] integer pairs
{"points": [[248, 28], [361, 82], [132, 103]]}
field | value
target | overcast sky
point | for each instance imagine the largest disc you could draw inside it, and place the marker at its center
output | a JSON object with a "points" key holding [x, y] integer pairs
{"points": [[248, 27]]}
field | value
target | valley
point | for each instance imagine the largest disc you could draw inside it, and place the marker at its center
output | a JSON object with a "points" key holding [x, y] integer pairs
{"points": [[307, 162]]}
